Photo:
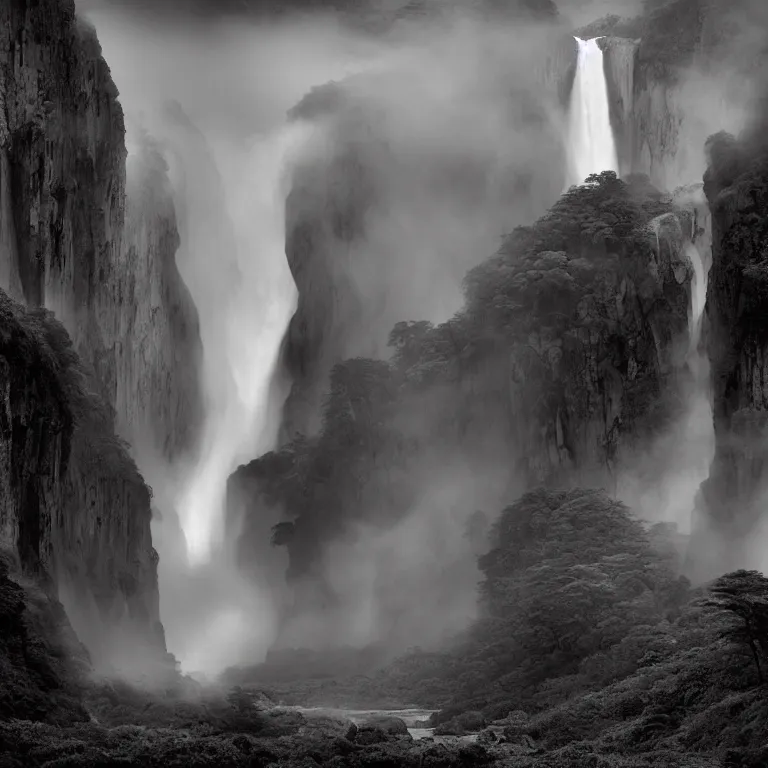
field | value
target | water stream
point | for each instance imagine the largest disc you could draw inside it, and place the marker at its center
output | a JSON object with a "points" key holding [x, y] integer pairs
{"points": [[590, 144]]}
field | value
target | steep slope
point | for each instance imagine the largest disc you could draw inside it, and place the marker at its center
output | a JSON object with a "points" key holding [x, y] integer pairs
{"points": [[62, 156]]}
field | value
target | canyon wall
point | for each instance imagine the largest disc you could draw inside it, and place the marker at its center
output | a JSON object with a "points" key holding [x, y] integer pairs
{"points": [[102, 264], [731, 500], [562, 368], [95, 245], [74, 511]]}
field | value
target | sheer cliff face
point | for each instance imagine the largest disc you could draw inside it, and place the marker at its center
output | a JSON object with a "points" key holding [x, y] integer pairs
{"points": [[561, 369], [156, 350], [74, 511], [62, 136], [736, 185], [108, 273], [98, 249]]}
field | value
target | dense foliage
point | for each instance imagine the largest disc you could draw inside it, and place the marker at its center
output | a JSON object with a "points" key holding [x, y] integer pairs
{"points": [[571, 589]]}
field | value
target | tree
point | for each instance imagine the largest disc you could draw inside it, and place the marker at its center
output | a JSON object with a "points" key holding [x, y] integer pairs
{"points": [[743, 596]]}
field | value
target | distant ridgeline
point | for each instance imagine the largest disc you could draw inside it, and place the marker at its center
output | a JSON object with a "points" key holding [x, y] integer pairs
{"points": [[561, 364]]}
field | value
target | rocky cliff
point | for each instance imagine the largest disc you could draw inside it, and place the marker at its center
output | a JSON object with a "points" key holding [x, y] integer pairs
{"points": [[659, 66], [74, 512], [156, 349], [95, 244], [73, 246], [736, 186]]}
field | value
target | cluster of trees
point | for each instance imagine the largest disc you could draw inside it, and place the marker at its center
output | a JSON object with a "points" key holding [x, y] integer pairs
{"points": [[573, 596], [591, 647]]}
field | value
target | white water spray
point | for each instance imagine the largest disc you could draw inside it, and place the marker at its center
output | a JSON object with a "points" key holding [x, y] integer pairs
{"points": [[241, 421], [698, 294], [590, 145]]}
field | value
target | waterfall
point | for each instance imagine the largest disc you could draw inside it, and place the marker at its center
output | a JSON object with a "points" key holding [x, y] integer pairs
{"points": [[230, 198], [244, 335], [698, 294], [591, 147]]}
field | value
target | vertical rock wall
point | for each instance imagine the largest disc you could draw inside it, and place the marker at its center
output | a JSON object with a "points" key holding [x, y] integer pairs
{"points": [[156, 349], [104, 265], [101, 255], [620, 55]]}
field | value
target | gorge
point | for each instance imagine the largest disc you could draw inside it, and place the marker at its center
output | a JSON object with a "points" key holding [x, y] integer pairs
{"points": [[356, 358]]}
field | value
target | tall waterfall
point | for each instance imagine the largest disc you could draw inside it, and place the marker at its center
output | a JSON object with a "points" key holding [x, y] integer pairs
{"points": [[591, 147], [698, 294], [242, 338]]}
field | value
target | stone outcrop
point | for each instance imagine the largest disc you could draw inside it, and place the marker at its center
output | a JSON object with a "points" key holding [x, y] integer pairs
{"points": [[74, 511]]}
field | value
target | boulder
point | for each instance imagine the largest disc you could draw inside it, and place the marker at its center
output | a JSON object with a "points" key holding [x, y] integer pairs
{"points": [[379, 729], [330, 727], [466, 722]]}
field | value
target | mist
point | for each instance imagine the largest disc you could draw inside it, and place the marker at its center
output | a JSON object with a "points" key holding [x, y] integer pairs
{"points": [[448, 98]]}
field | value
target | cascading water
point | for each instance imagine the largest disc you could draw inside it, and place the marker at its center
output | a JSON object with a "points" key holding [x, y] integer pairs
{"points": [[591, 147], [250, 328], [698, 294], [232, 258]]}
